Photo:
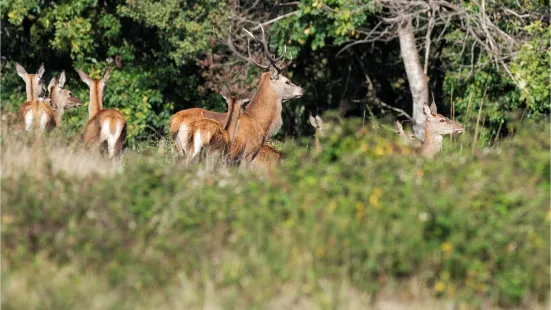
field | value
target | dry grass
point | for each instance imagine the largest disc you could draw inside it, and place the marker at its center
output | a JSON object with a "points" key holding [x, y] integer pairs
{"points": [[44, 285]]}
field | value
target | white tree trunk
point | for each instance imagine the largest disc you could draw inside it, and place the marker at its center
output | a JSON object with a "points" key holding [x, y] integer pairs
{"points": [[417, 79]]}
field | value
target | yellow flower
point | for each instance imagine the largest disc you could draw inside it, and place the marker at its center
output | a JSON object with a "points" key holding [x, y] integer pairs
{"points": [[446, 247], [379, 151], [439, 287], [374, 198]]}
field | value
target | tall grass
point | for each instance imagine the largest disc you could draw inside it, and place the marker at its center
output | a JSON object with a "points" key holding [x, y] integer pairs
{"points": [[364, 224]]}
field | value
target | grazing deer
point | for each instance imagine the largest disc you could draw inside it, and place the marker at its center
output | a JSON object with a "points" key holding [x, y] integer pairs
{"points": [[198, 132], [46, 114], [262, 117], [317, 124], [436, 126], [33, 82], [105, 127]]}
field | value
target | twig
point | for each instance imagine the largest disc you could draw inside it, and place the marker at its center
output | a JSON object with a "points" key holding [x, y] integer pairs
{"points": [[271, 21]]}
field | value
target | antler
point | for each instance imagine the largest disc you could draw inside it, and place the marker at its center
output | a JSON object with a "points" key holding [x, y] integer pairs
{"points": [[270, 56], [249, 59]]}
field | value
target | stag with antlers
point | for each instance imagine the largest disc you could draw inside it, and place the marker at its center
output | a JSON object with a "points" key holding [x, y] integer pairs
{"points": [[262, 117]]}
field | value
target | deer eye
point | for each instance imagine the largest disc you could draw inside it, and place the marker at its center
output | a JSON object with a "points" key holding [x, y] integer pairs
{"points": [[442, 120], [288, 82]]}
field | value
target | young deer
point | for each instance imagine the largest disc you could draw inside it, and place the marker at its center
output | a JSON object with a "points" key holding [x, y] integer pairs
{"points": [[33, 82], [104, 126], [198, 132], [317, 124], [406, 138], [46, 114], [436, 126], [262, 117]]}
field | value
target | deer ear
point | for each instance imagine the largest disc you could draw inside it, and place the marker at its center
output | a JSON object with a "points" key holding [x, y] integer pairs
{"points": [[225, 92], [84, 77], [312, 121], [53, 81], [398, 127], [107, 75], [40, 71], [318, 121], [433, 108], [21, 71], [274, 73], [427, 111], [62, 79]]}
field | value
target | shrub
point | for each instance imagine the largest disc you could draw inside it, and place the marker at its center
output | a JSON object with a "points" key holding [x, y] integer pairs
{"points": [[365, 212]]}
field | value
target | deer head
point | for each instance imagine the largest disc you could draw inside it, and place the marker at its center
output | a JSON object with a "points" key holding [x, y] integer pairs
{"points": [[97, 90], [400, 131], [62, 98], [281, 84], [33, 82], [438, 124]]}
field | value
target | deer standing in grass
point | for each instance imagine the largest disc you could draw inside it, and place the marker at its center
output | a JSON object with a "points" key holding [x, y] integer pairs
{"points": [[436, 126], [46, 114], [105, 127], [198, 132], [262, 117], [35, 112]]}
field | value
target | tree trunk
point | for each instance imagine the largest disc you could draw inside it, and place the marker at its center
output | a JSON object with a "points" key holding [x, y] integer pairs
{"points": [[417, 79]]}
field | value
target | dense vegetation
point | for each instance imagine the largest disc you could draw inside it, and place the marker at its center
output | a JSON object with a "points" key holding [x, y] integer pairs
{"points": [[471, 229], [363, 223], [172, 61]]}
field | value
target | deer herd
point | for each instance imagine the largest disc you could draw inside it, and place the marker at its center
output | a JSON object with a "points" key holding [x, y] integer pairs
{"points": [[237, 137]]}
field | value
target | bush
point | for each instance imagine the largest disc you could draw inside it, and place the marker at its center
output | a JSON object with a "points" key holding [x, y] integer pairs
{"points": [[366, 212]]}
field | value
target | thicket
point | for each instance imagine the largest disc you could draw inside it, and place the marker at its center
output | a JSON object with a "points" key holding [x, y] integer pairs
{"points": [[171, 60], [364, 213]]}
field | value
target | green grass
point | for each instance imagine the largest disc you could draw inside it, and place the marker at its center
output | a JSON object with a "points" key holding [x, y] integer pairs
{"points": [[363, 224]]}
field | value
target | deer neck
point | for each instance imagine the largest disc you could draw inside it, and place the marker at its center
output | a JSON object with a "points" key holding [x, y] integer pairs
{"points": [[432, 143], [96, 97], [32, 93], [232, 120], [265, 107], [58, 113]]}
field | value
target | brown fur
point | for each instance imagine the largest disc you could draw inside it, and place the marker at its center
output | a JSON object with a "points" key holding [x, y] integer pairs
{"points": [[267, 158], [33, 82], [38, 107], [92, 129], [257, 121], [212, 133], [97, 115], [436, 126]]}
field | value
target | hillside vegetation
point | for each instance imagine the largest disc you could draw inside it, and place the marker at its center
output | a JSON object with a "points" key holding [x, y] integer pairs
{"points": [[363, 224]]}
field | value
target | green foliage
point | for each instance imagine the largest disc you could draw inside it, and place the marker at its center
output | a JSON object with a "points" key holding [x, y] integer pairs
{"points": [[530, 70], [157, 45], [473, 228]]}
